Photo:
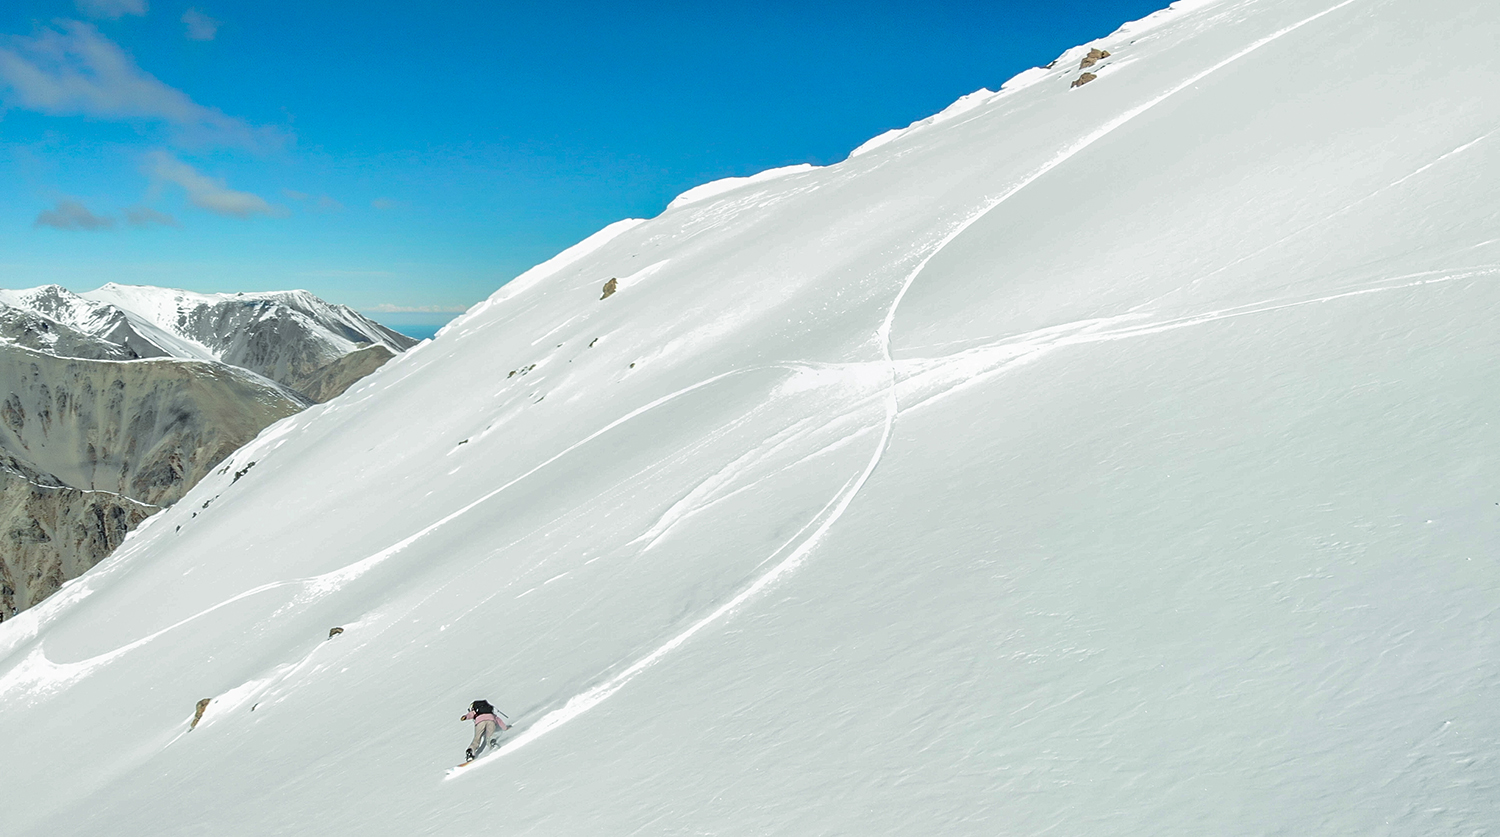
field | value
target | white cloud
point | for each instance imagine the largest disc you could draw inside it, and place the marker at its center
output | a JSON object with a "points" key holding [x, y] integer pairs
{"points": [[72, 215], [145, 216], [112, 9], [200, 27], [210, 193], [79, 72], [387, 308]]}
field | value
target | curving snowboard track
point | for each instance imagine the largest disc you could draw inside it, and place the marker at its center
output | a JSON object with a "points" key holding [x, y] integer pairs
{"points": [[836, 507]]}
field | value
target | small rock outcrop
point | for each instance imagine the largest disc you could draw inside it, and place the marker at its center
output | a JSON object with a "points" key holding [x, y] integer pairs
{"points": [[198, 715], [1094, 57], [1083, 79], [333, 632], [610, 287]]}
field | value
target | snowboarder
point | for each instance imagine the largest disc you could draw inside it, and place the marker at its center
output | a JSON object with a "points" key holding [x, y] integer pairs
{"points": [[487, 724]]}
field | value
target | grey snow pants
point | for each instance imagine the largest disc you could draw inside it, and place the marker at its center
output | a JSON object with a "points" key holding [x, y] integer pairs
{"points": [[483, 732]]}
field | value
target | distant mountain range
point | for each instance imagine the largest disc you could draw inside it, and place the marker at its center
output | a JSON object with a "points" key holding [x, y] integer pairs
{"points": [[113, 403]]}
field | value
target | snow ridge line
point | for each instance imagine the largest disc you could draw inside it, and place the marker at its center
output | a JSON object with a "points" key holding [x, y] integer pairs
{"points": [[36, 484]]}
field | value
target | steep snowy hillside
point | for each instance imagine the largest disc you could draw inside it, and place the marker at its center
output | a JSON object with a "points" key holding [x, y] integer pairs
{"points": [[1094, 459], [290, 337]]}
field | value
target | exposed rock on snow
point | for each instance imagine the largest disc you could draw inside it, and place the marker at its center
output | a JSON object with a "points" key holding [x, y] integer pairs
{"points": [[198, 712], [1094, 57], [609, 288], [1083, 79]]}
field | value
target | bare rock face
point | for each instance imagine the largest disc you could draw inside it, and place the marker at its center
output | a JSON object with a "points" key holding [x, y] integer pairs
{"points": [[330, 381], [147, 429], [51, 533], [113, 404], [1083, 79], [90, 448]]}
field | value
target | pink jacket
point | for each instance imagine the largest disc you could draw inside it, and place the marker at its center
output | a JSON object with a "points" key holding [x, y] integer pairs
{"points": [[478, 719]]}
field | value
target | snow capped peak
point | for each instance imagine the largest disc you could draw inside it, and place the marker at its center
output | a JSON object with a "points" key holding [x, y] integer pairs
{"points": [[287, 336], [294, 333]]}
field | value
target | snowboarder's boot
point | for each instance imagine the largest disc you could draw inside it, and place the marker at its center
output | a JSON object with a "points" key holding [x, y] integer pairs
{"points": [[468, 755]]}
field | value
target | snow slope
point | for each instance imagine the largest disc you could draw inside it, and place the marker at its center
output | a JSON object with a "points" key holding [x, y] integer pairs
{"points": [[1109, 460]]}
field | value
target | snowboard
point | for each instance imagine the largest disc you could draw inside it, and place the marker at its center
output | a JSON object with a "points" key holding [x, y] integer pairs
{"points": [[488, 751]]}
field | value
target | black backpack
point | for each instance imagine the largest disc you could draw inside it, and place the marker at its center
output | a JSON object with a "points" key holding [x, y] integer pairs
{"points": [[482, 707]]}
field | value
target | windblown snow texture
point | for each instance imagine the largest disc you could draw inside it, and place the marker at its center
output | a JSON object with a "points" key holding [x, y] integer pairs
{"points": [[1110, 459]]}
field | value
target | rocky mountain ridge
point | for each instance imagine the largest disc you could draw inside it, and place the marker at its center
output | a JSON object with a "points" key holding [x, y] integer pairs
{"points": [[116, 402]]}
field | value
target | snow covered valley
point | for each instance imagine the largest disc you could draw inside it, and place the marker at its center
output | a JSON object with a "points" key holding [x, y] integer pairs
{"points": [[1111, 459]]}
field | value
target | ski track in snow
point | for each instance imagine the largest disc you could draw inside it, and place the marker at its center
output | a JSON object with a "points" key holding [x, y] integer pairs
{"points": [[581, 703], [972, 366], [1336, 214], [957, 372]]}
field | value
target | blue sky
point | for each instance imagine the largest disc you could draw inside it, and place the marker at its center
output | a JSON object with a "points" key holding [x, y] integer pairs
{"points": [[395, 156]]}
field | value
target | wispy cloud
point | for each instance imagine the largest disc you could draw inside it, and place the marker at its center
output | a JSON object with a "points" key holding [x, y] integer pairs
{"points": [[386, 308], [210, 193], [75, 71], [200, 27], [72, 215], [112, 9], [383, 203], [145, 216], [322, 203]]}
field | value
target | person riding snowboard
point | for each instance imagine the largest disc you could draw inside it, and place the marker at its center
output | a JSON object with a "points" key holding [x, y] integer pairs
{"points": [[487, 724]]}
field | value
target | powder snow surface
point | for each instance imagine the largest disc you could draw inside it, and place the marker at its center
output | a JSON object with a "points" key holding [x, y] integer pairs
{"points": [[1099, 461]]}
